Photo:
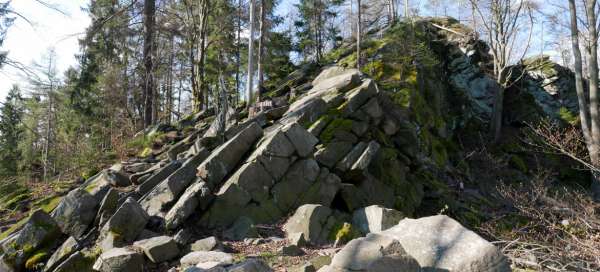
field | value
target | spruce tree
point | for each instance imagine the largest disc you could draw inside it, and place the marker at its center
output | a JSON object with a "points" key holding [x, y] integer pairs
{"points": [[11, 130]]}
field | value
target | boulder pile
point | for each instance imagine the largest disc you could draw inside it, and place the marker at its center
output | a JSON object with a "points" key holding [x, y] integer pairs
{"points": [[337, 159]]}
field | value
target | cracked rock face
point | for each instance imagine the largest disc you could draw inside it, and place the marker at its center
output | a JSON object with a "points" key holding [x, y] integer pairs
{"points": [[333, 164]]}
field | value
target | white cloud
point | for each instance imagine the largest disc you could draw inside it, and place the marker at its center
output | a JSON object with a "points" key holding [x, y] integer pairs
{"points": [[27, 43]]}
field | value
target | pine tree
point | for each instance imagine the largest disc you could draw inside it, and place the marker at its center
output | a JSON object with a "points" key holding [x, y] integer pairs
{"points": [[313, 34]]}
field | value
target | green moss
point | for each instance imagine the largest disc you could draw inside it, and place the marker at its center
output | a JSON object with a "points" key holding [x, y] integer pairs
{"points": [[145, 152], [36, 259], [382, 138], [542, 64], [15, 200], [343, 233], [337, 124], [89, 172], [376, 69], [48, 204], [567, 116], [402, 97], [15, 227]]}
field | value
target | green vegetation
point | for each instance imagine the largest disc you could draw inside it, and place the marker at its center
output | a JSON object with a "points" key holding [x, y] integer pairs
{"points": [[336, 125], [343, 232], [36, 259]]}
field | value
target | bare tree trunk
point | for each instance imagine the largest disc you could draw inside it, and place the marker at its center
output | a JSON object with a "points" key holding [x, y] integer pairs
{"points": [[593, 74], [203, 30], [406, 9], [358, 34], [249, 82], [237, 53], [581, 96], [261, 40], [149, 11], [170, 76], [594, 148]]}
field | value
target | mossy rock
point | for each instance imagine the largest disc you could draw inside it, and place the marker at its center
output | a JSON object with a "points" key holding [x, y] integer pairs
{"points": [[36, 260], [337, 124]]}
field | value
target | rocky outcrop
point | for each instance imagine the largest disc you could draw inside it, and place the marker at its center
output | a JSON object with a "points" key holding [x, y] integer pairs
{"points": [[343, 159]]}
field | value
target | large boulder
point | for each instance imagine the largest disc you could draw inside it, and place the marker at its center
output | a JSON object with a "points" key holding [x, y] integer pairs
{"points": [[296, 181], [75, 212], [78, 261], [98, 185], [315, 222], [197, 196], [323, 190], [439, 242], [303, 141], [375, 218], [124, 226], [64, 251], [120, 260], [372, 253], [330, 154], [157, 177], [108, 207], [40, 231], [273, 152], [222, 160], [167, 191], [358, 97]]}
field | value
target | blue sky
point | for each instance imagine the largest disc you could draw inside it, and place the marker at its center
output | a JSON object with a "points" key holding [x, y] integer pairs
{"points": [[28, 42]]}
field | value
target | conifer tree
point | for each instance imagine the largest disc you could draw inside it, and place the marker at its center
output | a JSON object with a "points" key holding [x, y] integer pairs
{"points": [[11, 130]]}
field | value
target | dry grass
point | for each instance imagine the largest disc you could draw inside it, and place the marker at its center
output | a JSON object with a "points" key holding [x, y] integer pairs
{"points": [[551, 229]]}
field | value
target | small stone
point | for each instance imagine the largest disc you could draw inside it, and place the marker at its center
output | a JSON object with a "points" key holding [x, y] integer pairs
{"points": [[158, 249], [119, 260], [196, 257], [252, 265], [207, 244], [308, 267], [211, 266], [291, 250]]}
